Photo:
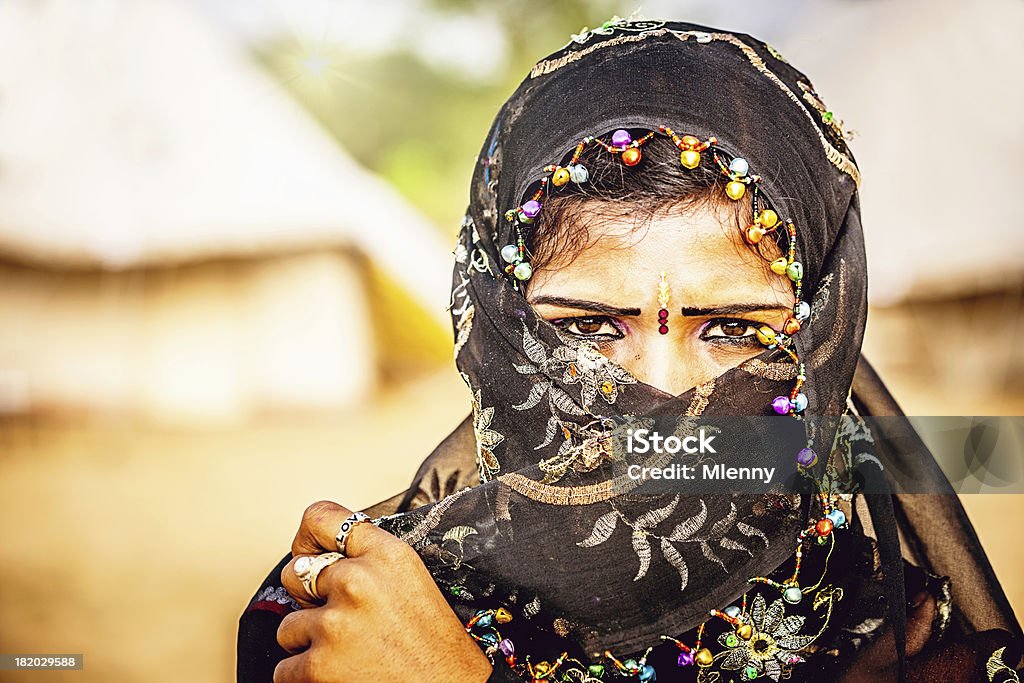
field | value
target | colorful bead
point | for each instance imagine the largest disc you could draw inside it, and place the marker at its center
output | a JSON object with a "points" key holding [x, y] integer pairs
{"points": [[631, 156], [489, 638], [560, 177], [791, 326], [510, 253], [631, 665], [689, 158], [731, 640], [531, 209], [779, 266], [739, 166], [704, 657], [647, 674], [684, 659], [838, 517], [735, 190], [806, 457], [754, 234], [795, 271], [484, 620], [523, 271], [690, 141], [732, 611], [579, 174], [768, 218], [781, 405], [750, 673], [800, 402], [502, 616], [802, 310], [745, 631], [824, 526], [765, 335], [621, 138], [793, 595], [596, 670], [507, 648]]}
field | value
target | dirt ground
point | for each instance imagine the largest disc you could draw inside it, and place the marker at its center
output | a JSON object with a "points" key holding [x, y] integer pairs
{"points": [[139, 546]]}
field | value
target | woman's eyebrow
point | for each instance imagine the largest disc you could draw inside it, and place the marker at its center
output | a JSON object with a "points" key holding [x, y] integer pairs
{"points": [[584, 305], [733, 309]]}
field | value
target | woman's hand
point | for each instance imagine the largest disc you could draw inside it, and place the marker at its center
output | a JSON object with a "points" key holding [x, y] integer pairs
{"points": [[384, 617]]}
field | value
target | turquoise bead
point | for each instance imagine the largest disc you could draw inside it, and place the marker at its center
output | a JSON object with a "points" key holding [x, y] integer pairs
{"points": [[732, 611], [510, 253], [837, 517], [647, 673], [792, 595], [485, 620], [750, 673], [578, 173], [800, 403]]}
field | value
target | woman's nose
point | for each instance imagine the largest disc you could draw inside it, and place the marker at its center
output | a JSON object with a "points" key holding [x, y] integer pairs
{"points": [[668, 367]]}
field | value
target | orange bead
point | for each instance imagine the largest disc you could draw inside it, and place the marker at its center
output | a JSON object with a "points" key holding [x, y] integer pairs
{"points": [[791, 327], [690, 141], [824, 526], [754, 234], [631, 156]]}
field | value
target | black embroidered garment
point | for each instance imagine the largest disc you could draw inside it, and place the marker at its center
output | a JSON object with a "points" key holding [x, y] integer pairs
{"points": [[545, 531]]}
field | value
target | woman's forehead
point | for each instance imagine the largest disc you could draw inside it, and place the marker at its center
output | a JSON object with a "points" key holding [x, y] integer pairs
{"points": [[699, 249]]}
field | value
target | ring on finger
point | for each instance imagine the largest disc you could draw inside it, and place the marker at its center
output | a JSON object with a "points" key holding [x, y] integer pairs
{"points": [[308, 568], [350, 523]]}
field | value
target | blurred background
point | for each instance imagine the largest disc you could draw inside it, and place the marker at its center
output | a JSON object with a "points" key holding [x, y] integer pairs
{"points": [[225, 233]]}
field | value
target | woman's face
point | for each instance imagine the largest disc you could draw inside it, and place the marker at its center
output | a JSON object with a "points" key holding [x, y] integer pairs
{"points": [[720, 291]]}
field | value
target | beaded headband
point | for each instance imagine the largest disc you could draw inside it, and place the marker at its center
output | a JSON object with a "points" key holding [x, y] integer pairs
{"points": [[765, 221]]}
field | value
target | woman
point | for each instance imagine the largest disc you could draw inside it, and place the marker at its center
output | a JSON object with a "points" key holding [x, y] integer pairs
{"points": [[664, 226]]}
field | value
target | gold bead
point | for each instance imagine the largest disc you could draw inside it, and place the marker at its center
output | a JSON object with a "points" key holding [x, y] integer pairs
{"points": [[690, 141], [607, 387], [745, 631], [768, 218], [791, 327], [631, 156], [541, 669], [703, 657], [689, 158], [765, 335], [779, 266], [754, 234], [735, 189], [502, 616], [561, 177]]}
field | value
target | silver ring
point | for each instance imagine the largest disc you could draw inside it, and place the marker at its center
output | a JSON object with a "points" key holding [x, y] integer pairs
{"points": [[346, 528], [308, 568]]}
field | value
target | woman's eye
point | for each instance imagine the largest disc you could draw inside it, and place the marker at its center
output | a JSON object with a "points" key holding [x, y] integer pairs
{"points": [[590, 327], [735, 331]]}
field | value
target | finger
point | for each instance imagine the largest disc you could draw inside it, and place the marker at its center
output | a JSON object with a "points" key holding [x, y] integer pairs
{"points": [[295, 669], [319, 529], [295, 633]]}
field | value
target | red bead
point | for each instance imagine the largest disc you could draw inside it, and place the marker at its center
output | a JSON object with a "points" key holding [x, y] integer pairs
{"points": [[823, 527], [663, 329]]}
